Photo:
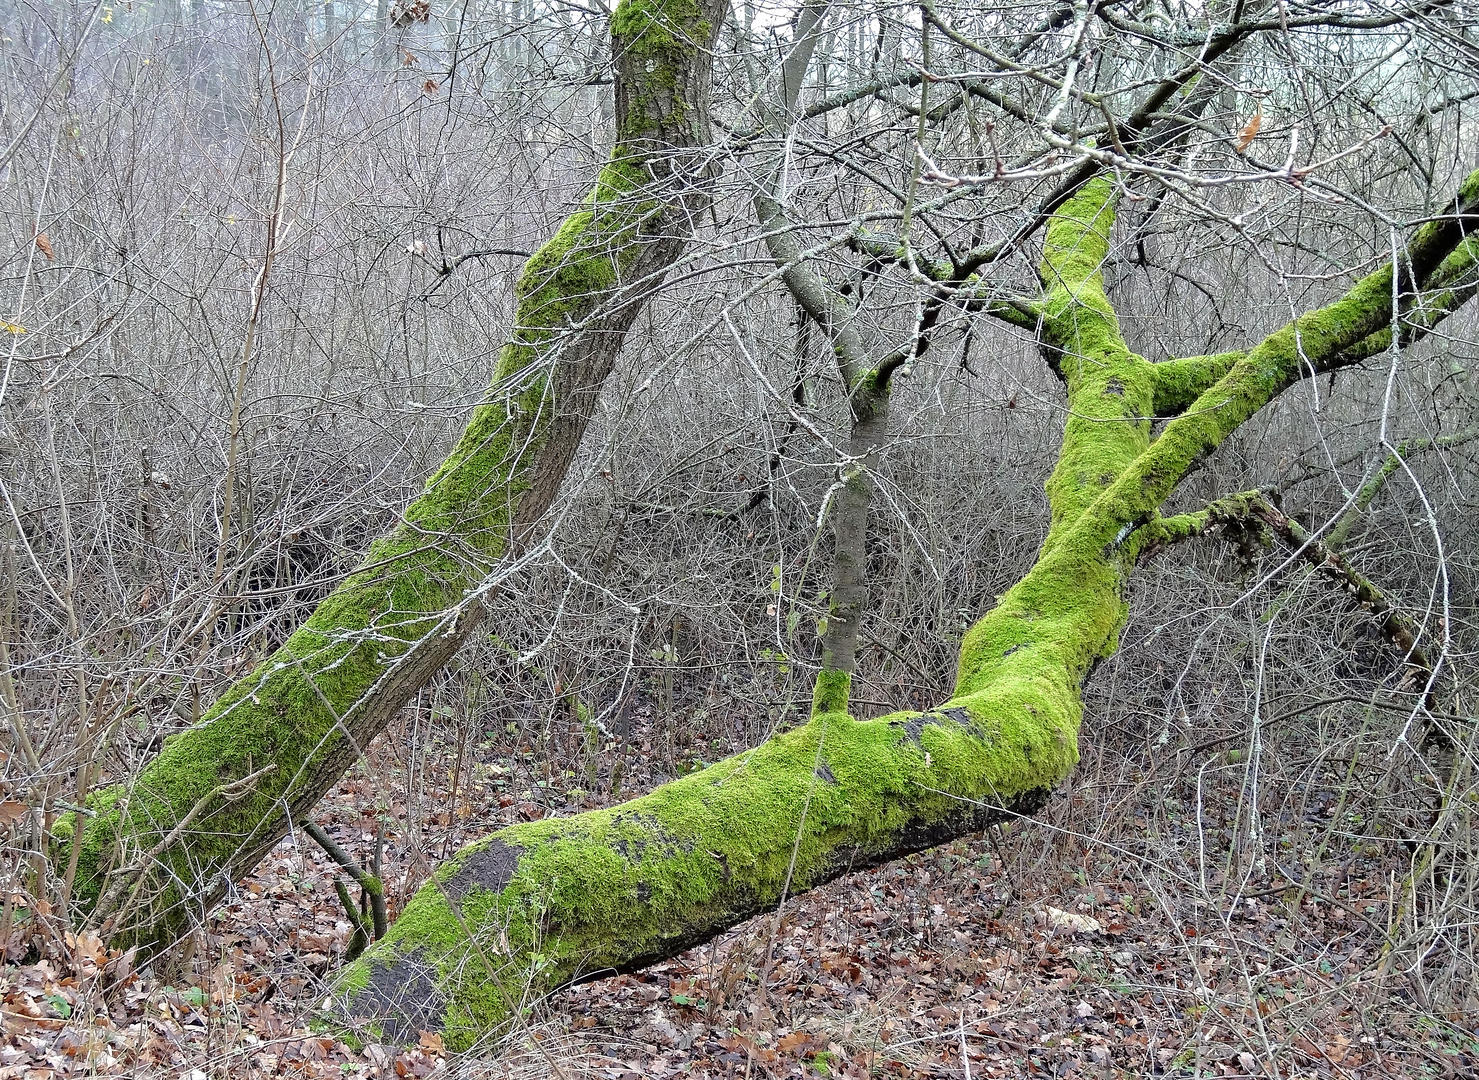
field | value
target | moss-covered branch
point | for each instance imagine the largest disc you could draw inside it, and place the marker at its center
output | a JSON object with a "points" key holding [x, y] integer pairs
{"points": [[1340, 532], [539, 906], [1180, 381], [1455, 281], [157, 852], [1310, 343], [1250, 519]]}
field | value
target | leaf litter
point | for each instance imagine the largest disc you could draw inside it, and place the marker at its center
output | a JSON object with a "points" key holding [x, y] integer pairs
{"points": [[1032, 951]]}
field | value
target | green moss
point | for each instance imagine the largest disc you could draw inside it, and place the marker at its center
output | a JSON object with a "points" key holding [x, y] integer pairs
{"points": [[830, 694], [297, 709], [1181, 381], [1109, 388], [655, 42], [653, 27], [603, 888]]}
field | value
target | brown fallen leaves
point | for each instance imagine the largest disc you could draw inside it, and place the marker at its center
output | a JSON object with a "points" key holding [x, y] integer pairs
{"points": [[991, 958]]}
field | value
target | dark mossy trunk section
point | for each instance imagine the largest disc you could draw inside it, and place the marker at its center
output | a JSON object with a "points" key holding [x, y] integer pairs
{"points": [[156, 854], [541, 905]]}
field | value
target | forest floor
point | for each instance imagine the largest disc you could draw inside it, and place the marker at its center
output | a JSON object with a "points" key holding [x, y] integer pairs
{"points": [[1033, 951]]}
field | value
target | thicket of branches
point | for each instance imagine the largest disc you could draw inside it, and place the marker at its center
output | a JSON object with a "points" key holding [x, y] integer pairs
{"points": [[257, 268]]}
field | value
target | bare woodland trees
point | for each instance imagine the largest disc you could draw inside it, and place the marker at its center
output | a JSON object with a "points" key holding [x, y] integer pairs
{"points": [[213, 802], [1186, 224]]}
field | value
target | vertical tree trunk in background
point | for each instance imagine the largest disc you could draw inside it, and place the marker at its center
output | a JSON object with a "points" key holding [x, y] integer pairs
{"points": [[159, 852], [540, 905], [867, 393]]}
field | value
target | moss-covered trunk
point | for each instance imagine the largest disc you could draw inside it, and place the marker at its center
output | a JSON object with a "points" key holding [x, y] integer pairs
{"points": [[544, 904], [158, 852], [541, 905]]}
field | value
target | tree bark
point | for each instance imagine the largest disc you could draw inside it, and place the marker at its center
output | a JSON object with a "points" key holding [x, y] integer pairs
{"points": [[545, 904], [158, 852]]}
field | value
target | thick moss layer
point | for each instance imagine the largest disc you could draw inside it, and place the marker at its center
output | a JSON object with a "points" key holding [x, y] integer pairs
{"points": [[155, 855], [540, 905], [1180, 381], [831, 692]]}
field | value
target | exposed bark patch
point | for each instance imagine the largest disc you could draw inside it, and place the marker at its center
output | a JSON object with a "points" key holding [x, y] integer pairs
{"points": [[655, 837], [915, 723], [824, 773], [490, 868], [960, 714], [1115, 386], [403, 998], [912, 726]]}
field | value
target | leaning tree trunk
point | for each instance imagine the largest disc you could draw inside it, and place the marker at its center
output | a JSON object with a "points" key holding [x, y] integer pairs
{"points": [[540, 905], [158, 852]]}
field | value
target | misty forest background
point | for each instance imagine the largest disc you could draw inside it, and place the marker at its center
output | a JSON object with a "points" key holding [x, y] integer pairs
{"points": [[184, 473]]}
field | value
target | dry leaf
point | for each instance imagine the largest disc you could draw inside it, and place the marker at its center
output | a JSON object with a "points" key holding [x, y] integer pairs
{"points": [[1250, 129], [405, 12], [408, 58], [430, 87], [12, 811], [797, 1041], [44, 243], [1068, 922]]}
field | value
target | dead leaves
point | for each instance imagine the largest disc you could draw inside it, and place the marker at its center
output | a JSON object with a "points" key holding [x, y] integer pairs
{"points": [[930, 968], [1250, 130], [406, 12], [12, 810], [43, 244]]}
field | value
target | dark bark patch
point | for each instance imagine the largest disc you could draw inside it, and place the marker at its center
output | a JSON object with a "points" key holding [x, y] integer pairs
{"points": [[965, 819], [960, 714], [652, 836], [912, 725], [1115, 387], [403, 998], [915, 723], [490, 868], [825, 774]]}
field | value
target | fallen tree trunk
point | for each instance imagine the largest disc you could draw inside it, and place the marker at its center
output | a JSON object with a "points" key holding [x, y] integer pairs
{"points": [[541, 905], [155, 854]]}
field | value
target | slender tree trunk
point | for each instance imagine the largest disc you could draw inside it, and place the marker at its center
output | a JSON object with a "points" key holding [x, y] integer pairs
{"points": [[847, 600], [544, 904], [159, 852]]}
